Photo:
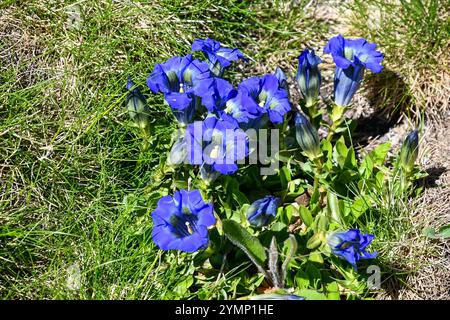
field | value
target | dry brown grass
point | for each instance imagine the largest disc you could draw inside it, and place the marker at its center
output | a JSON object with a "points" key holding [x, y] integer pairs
{"points": [[432, 279]]}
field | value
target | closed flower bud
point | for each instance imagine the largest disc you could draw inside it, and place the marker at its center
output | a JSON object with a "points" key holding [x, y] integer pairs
{"points": [[307, 136], [178, 152], [308, 76], [208, 174], [137, 106], [282, 79], [262, 211], [409, 151]]}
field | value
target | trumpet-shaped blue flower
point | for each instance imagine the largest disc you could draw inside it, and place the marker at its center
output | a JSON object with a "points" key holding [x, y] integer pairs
{"points": [[351, 245], [258, 96], [181, 222], [184, 81], [241, 108], [308, 75], [262, 211], [220, 94], [217, 142], [351, 57], [219, 57]]}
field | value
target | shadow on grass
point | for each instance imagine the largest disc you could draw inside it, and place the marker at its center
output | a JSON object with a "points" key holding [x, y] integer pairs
{"points": [[388, 93], [434, 174], [389, 96], [392, 282]]}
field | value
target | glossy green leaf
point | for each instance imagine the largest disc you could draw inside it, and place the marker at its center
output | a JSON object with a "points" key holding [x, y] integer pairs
{"points": [[305, 215]]}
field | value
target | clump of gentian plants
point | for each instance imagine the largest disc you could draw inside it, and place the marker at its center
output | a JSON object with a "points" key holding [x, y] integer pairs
{"points": [[291, 231]]}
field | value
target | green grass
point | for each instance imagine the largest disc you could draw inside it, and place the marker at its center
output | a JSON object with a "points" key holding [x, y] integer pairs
{"points": [[75, 185], [76, 191], [414, 36]]}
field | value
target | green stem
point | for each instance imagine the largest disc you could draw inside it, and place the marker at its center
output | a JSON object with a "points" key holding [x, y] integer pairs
{"points": [[337, 117]]}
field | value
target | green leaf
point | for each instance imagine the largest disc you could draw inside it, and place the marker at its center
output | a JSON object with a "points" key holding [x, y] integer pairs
{"points": [[379, 154], [245, 241], [444, 232], [322, 222], [327, 148], [315, 256], [291, 244], [333, 291], [350, 160], [366, 167], [305, 215], [285, 177], [360, 205], [182, 287], [309, 294], [333, 207], [314, 242], [340, 152], [380, 179], [302, 279], [315, 277]]}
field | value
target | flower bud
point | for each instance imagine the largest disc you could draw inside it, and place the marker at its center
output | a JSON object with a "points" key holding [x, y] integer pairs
{"points": [[308, 76], [409, 151], [208, 174], [282, 79], [137, 106], [178, 152], [307, 136], [262, 211]]}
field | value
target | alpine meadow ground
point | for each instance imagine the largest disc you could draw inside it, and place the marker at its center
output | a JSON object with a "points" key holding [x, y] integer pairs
{"points": [[76, 186]]}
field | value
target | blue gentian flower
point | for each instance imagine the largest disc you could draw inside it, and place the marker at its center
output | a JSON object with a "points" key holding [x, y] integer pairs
{"points": [[351, 57], [216, 142], [219, 58], [181, 222], [137, 105], [282, 79], [351, 245], [308, 75], [258, 96], [222, 91], [241, 108], [262, 211], [184, 81]]}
